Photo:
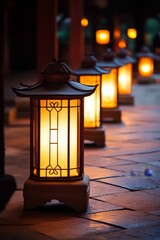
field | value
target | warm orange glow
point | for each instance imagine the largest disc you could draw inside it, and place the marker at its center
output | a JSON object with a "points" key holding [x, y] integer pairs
{"points": [[117, 33], [91, 103], [125, 79], [109, 89], [132, 33], [59, 136], [84, 22], [102, 36], [146, 66], [122, 43]]}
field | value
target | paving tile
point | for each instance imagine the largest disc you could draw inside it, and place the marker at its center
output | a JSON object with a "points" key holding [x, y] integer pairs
{"points": [[100, 189], [155, 191], [138, 200], [145, 157], [97, 172], [133, 182], [21, 232], [125, 218], [142, 233], [99, 206], [72, 228], [139, 170], [105, 162]]}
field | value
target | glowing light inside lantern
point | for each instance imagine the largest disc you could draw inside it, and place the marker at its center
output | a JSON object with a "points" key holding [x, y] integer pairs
{"points": [[91, 103], [109, 89], [125, 79], [122, 43], [102, 36], [59, 138], [132, 33], [146, 66], [84, 22]]}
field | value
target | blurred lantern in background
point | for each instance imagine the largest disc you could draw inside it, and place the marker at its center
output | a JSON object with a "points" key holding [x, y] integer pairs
{"points": [[109, 101], [122, 43], [125, 77], [57, 144], [146, 60], [84, 22], [90, 74], [132, 33], [102, 36]]}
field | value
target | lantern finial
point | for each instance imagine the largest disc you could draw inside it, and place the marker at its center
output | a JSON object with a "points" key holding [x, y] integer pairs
{"points": [[89, 61], [56, 71], [109, 55]]}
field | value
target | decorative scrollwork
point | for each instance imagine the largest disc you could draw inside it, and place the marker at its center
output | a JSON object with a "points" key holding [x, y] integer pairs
{"points": [[54, 105], [53, 170]]}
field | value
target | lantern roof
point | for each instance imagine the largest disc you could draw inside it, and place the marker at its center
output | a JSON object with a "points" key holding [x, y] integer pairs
{"points": [[145, 52], [89, 67], [56, 82], [123, 57], [109, 60]]}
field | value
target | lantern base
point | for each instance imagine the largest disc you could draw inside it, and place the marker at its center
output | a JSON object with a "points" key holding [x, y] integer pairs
{"points": [[74, 194], [126, 100], [145, 80], [95, 135], [111, 115]]}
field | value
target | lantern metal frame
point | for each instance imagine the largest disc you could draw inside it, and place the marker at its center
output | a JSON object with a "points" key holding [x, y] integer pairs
{"points": [[39, 189], [88, 67], [111, 114], [124, 58]]}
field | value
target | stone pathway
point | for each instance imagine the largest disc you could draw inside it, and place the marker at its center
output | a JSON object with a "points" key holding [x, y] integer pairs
{"points": [[124, 203]]}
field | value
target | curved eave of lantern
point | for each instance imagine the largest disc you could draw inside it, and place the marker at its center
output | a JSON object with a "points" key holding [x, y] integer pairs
{"points": [[126, 60], [148, 55], [95, 71], [109, 64], [68, 89]]}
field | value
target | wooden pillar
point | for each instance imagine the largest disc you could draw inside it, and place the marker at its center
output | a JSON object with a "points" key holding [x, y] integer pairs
{"points": [[7, 182], [47, 40], [2, 24], [77, 41]]}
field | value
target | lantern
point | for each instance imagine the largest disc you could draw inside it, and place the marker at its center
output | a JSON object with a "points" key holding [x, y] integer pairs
{"points": [[109, 101], [132, 33], [125, 77], [90, 74], [145, 65], [122, 43], [57, 161], [102, 36], [84, 22]]}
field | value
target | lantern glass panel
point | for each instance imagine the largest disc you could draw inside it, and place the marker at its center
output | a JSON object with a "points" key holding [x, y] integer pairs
{"points": [[146, 66], [58, 132], [92, 102], [109, 89], [125, 79]]}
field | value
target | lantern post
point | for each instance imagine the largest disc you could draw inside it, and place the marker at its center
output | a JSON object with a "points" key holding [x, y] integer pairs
{"points": [[56, 139], [110, 102], [125, 77], [90, 74]]}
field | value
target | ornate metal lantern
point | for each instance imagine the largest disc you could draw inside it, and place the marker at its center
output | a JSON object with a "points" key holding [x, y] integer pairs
{"points": [[125, 77], [145, 65], [90, 74], [57, 154]]}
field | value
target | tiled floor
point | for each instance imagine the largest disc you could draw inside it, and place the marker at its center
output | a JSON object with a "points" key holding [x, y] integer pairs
{"points": [[124, 203]]}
